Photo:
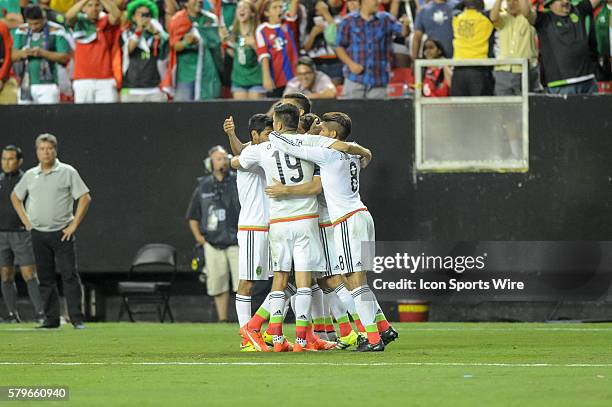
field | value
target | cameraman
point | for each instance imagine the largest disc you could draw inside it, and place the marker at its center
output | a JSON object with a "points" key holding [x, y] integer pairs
{"points": [[213, 221]]}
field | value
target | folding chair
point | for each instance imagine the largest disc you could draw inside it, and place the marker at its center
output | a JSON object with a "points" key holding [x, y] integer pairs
{"points": [[150, 281]]}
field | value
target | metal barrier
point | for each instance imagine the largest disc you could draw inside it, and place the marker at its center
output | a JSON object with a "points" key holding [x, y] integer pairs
{"points": [[471, 134]]}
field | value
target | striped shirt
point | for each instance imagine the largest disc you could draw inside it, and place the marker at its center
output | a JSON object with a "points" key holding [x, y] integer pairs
{"points": [[368, 43]]}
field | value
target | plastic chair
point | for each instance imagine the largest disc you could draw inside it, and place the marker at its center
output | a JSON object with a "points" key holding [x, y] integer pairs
{"points": [[150, 281]]}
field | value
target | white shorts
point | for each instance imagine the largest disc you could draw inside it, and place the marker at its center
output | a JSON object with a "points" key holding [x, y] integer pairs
{"points": [[95, 90], [329, 250], [254, 258], [353, 236], [296, 242], [42, 94]]}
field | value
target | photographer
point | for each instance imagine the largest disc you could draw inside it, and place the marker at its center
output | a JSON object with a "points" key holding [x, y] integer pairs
{"points": [[213, 221]]}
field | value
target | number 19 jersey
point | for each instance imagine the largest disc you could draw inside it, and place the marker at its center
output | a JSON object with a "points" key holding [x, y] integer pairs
{"points": [[288, 170]]}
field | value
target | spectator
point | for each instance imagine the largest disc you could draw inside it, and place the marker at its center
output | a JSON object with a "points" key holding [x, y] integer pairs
{"points": [[366, 60], [97, 73], [567, 47], [213, 221], [39, 47], [50, 14], [15, 240], [8, 86], [434, 19], [195, 54], [276, 47], [145, 47], [246, 71], [310, 82], [603, 34], [319, 44], [472, 32], [516, 39], [437, 80], [399, 9], [51, 188]]}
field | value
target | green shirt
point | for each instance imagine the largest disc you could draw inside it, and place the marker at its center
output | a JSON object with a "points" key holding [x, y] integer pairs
{"points": [[56, 43], [187, 61], [246, 71], [11, 6]]}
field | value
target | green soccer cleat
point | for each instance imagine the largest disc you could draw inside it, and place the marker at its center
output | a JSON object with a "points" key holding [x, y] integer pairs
{"points": [[247, 348], [267, 338], [345, 342]]}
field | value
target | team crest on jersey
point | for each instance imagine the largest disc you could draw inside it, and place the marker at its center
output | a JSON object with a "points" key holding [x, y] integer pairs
{"points": [[258, 270]]}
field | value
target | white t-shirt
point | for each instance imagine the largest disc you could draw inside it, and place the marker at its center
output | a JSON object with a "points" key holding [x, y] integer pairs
{"points": [[254, 203], [339, 172], [288, 170]]}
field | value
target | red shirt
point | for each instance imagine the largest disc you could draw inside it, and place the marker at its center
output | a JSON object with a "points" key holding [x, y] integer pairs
{"points": [[434, 84], [93, 60], [7, 44], [277, 43]]}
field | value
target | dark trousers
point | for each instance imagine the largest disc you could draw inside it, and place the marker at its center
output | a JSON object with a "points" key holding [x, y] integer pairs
{"points": [[472, 81], [51, 254]]}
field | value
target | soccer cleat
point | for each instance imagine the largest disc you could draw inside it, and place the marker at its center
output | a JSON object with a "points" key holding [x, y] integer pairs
{"points": [[254, 338], [321, 344], [365, 346], [13, 318], [247, 348], [285, 346], [347, 341], [267, 338], [310, 347], [389, 335]]}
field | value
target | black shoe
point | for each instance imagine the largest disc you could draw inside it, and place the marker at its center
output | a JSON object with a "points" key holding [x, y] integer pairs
{"points": [[49, 325], [13, 318], [78, 325], [389, 335], [365, 346]]}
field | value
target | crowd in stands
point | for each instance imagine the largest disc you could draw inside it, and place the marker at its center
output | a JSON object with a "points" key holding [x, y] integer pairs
{"points": [[100, 51]]}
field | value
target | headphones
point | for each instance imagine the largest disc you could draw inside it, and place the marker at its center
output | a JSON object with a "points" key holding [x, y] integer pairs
{"points": [[208, 165]]}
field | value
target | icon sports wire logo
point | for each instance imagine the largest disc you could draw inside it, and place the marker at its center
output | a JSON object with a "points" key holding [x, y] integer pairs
{"points": [[412, 264]]}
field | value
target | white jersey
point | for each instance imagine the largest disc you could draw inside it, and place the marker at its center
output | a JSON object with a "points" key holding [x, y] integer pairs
{"points": [[339, 172], [323, 211], [254, 203], [288, 170]]}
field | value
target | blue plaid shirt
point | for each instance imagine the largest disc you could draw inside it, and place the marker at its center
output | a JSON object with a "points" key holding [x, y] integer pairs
{"points": [[368, 43]]}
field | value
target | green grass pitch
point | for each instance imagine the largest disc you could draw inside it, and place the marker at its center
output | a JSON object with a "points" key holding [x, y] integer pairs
{"points": [[432, 364]]}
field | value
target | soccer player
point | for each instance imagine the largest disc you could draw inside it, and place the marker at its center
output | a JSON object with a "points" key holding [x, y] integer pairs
{"points": [[293, 233], [352, 222], [253, 263]]}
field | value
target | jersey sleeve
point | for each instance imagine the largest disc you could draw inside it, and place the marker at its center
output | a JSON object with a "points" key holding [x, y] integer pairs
{"points": [[77, 186], [249, 157], [21, 189], [260, 44], [317, 155], [313, 140]]}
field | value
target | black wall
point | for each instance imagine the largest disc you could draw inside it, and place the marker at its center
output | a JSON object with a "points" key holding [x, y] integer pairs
{"points": [[141, 160]]}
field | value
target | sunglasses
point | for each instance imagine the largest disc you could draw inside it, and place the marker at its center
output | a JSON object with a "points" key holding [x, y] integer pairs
{"points": [[145, 14]]}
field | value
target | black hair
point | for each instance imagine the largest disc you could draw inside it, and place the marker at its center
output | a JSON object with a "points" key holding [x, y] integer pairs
{"points": [[14, 148], [438, 44], [259, 122], [307, 120], [342, 123], [33, 12], [301, 99], [289, 115], [473, 4]]}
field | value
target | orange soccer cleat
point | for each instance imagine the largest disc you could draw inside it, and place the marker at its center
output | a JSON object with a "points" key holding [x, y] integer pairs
{"points": [[254, 337]]}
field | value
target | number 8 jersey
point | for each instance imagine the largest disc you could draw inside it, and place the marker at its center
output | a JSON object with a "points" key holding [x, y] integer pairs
{"points": [[288, 170]]}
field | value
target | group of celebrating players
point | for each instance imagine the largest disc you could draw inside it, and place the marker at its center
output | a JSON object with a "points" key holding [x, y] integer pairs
{"points": [[303, 220]]}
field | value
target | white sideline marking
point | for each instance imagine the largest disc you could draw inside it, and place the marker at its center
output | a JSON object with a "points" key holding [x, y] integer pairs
{"points": [[448, 364]]}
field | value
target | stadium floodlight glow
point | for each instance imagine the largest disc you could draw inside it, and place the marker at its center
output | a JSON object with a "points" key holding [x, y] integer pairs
{"points": [[474, 133]]}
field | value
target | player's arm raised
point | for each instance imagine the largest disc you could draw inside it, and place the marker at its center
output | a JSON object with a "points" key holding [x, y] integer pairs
{"points": [[279, 190], [230, 129]]}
